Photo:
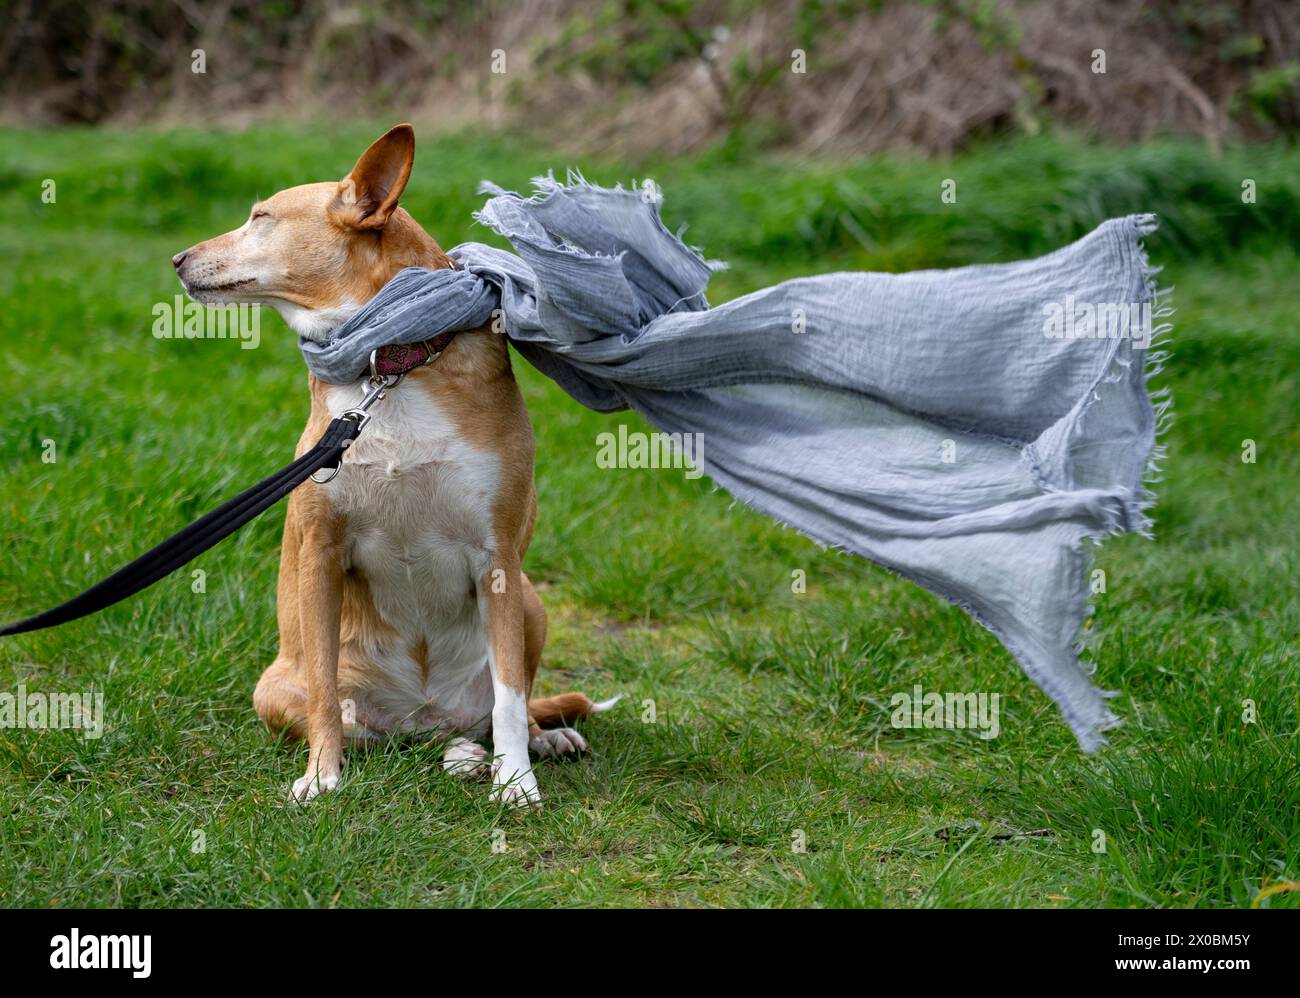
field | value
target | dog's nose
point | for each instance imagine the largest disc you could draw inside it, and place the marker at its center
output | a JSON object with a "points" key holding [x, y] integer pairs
{"points": [[179, 258]]}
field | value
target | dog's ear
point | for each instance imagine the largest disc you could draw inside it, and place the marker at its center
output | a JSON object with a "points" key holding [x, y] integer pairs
{"points": [[368, 195]]}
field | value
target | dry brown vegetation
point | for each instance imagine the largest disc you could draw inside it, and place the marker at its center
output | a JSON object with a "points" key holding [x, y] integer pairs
{"points": [[673, 75]]}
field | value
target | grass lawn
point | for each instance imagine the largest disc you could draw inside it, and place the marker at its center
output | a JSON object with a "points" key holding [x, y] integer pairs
{"points": [[771, 722]]}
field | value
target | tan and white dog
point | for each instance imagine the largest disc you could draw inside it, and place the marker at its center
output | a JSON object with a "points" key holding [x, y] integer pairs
{"points": [[401, 593]]}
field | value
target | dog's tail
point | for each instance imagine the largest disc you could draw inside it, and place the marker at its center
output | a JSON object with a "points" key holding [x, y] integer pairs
{"points": [[565, 708]]}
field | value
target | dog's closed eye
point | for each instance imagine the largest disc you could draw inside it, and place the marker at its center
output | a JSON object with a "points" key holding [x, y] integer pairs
{"points": [[259, 213]]}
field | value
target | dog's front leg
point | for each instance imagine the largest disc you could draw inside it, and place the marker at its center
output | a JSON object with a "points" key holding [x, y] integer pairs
{"points": [[320, 599], [501, 605]]}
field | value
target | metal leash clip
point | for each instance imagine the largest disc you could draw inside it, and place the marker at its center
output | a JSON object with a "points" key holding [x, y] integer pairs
{"points": [[379, 385]]}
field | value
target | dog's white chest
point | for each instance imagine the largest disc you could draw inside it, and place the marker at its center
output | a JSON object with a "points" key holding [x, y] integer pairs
{"points": [[417, 500]]}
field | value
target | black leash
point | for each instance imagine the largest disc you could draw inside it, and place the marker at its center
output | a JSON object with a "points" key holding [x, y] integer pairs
{"points": [[213, 527]]}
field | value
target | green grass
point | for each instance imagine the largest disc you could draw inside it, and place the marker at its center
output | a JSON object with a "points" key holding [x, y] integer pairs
{"points": [[772, 708]]}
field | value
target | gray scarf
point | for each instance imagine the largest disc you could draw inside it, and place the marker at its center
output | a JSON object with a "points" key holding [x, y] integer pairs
{"points": [[968, 429]]}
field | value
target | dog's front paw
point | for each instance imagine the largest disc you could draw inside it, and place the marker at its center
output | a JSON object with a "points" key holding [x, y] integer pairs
{"points": [[517, 796], [311, 785], [466, 759], [518, 788], [557, 742]]}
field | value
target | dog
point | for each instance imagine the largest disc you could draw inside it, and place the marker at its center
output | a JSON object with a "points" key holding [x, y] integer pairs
{"points": [[402, 603]]}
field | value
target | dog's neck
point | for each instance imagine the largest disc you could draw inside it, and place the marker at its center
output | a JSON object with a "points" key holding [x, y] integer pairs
{"points": [[402, 244], [316, 323]]}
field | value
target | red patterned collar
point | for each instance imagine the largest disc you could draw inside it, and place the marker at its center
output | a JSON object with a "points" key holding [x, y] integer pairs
{"points": [[399, 358]]}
